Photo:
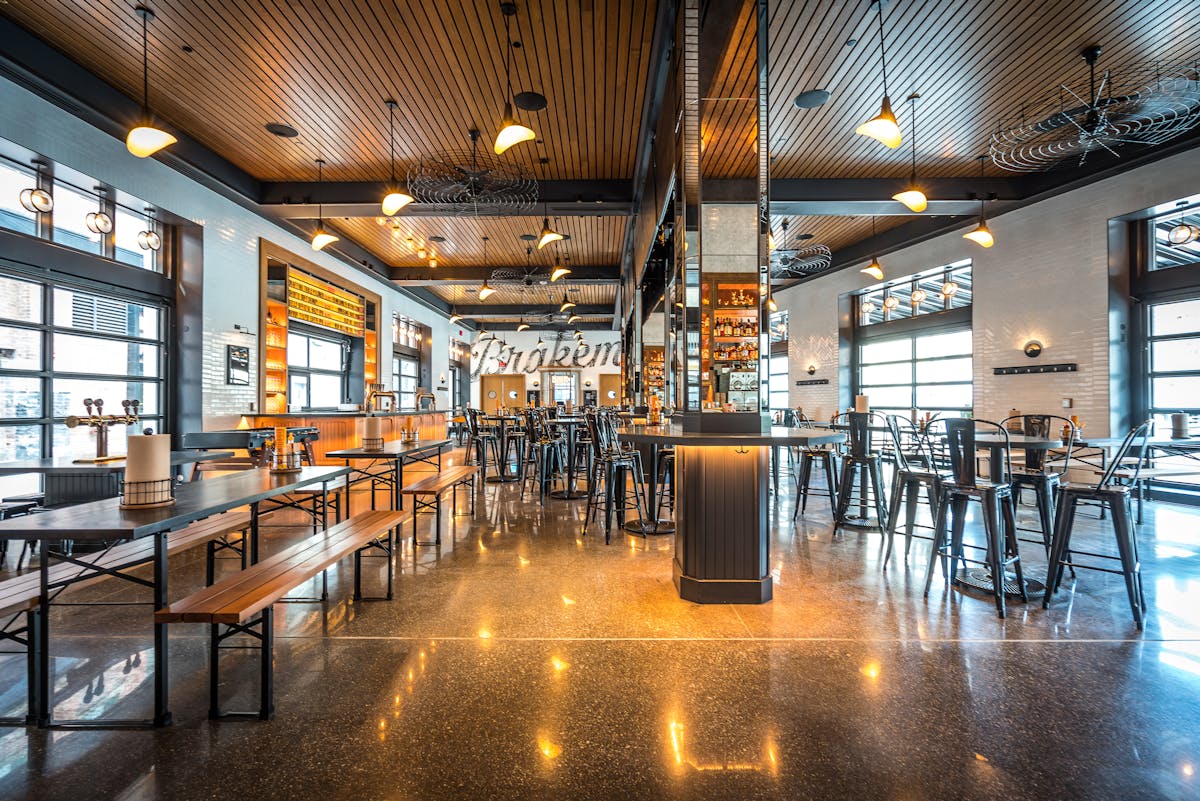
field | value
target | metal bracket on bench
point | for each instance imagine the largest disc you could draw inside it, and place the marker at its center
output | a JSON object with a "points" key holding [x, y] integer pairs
{"points": [[266, 636], [387, 546]]}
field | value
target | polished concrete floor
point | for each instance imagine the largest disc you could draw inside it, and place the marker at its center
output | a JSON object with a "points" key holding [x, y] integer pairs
{"points": [[521, 660]]}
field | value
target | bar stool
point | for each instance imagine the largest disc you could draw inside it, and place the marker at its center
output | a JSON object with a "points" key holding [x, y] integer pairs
{"points": [[664, 471], [1117, 498], [860, 459], [478, 441], [547, 453], [995, 499], [611, 465], [826, 457], [1036, 473], [912, 474], [516, 438]]}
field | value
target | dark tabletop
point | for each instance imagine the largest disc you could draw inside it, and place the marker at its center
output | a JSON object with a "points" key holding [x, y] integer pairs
{"points": [[1021, 441], [668, 434], [391, 449], [64, 464], [105, 520]]}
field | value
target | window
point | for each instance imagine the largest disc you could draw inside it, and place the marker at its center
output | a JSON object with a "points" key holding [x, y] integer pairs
{"points": [[1184, 229], [317, 370], [778, 396], [128, 226], [14, 216], [71, 208], [59, 346], [1173, 343], [930, 372], [457, 397], [405, 374], [929, 292], [779, 326], [563, 386]]}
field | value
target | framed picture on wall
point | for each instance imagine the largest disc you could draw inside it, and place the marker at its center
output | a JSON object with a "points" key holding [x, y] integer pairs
{"points": [[237, 365]]}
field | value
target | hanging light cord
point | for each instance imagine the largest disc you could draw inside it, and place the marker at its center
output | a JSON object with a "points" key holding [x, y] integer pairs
{"points": [[320, 208], [507, 59], [145, 61], [882, 47], [913, 100], [392, 136]]}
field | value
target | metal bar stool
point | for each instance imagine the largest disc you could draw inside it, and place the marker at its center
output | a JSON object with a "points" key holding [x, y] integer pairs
{"points": [[864, 463], [664, 470], [995, 499], [611, 466], [1039, 472], [547, 454], [914, 472], [478, 441], [1117, 498]]}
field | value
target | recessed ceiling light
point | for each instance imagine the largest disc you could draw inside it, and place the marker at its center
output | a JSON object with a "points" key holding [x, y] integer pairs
{"points": [[528, 237], [811, 98], [282, 129], [186, 48], [438, 239], [804, 236], [530, 101]]}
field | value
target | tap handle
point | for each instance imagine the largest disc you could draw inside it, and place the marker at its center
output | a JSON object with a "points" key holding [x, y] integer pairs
{"points": [[88, 403], [99, 405]]}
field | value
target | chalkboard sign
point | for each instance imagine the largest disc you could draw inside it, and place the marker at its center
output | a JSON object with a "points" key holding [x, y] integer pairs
{"points": [[237, 365]]}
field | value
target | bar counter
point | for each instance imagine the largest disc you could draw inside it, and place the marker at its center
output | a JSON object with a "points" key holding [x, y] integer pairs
{"points": [[340, 430], [722, 509]]}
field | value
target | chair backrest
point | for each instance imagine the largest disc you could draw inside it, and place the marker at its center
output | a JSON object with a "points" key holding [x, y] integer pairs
{"points": [[1044, 426], [472, 422], [907, 443], [1135, 439], [858, 430], [961, 446], [596, 434]]}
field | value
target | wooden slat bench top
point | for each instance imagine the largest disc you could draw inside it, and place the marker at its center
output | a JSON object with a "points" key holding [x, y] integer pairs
{"points": [[21, 592], [239, 597], [437, 482]]}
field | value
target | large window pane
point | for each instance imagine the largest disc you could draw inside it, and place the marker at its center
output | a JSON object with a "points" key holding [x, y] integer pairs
{"points": [[69, 394], [71, 208], [324, 355], [20, 348], [1168, 255], [20, 300], [893, 350], [1176, 392], [20, 397], [889, 397], [298, 389], [1182, 317], [297, 350], [945, 396], [13, 215], [105, 315], [952, 344], [20, 442], [1175, 354], [128, 225], [325, 390], [77, 354], [900, 373], [944, 370]]}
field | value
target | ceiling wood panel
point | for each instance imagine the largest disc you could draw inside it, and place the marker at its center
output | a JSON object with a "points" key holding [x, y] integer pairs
{"points": [[327, 68], [537, 297], [593, 240]]}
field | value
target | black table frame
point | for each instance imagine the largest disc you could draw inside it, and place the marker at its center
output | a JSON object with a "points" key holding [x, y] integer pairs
{"points": [[159, 529], [387, 468]]}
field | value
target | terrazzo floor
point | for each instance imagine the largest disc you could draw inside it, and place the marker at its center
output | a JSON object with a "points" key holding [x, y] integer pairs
{"points": [[522, 660]]}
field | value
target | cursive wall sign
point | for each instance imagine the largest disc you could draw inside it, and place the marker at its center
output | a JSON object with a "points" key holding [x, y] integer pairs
{"points": [[493, 356]]}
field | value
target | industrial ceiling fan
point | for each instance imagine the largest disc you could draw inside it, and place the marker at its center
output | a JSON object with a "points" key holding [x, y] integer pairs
{"points": [[1136, 106]]}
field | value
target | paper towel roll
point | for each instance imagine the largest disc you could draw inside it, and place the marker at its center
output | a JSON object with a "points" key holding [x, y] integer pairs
{"points": [[860, 403], [149, 458], [1179, 425], [372, 428]]}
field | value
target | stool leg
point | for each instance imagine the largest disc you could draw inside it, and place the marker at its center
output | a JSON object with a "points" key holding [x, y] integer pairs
{"points": [[845, 487], [995, 549], [1124, 533], [958, 520], [1012, 547], [880, 499], [939, 539], [831, 479], [1044, 496], [889, 526]]}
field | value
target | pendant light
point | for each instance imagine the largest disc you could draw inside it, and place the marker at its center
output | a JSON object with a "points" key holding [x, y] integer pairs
{"points": [[523, 326], [149, 239], [1181, 234], [913, 197], [918, 297], [397, 196], [145, 139], [949, 286], [559, 270], [882, 127], [548, 234], [574, 318], [35, 199], [511, 131], [541, 345], [981, 235], [321, 237], [98, 222], [874, 269], [454, 316], [567, 303]]}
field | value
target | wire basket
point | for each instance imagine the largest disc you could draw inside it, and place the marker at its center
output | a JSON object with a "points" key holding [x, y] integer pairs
{"points": [[286, 463], [372, 443], [147, 494]]}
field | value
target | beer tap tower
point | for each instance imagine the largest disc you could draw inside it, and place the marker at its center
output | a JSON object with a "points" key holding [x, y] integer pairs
{"points": [[96, 419]]}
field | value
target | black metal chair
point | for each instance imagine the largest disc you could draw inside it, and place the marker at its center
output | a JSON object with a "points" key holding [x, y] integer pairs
{"points": [[995, 499], [1039, 472], [664, 471], [608, 480], [863, 460], [1117, 498], [546, 453], [824, 455], [914, 472], [479, 439]]}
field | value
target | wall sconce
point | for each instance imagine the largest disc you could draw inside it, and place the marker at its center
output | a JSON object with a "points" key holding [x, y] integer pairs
{"points": [[587, 383], [812, 368], [443, 378], [1033, 348]]}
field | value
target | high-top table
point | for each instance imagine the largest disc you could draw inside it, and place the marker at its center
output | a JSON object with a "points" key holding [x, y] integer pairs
{"points": [[722, 515], [570, 427], [387, 465], [67, 481], [105, 520]]}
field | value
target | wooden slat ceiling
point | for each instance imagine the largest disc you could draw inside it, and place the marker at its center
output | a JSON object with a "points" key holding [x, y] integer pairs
{"points": [[326, 69], [833, 232], [534, 296], [593, 240]]}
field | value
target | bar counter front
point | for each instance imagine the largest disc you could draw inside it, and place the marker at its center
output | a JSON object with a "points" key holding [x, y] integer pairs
{"points": [[722, 513], [340, 430]]}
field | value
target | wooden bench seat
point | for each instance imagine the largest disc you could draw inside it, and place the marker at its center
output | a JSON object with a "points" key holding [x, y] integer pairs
{"points": [[435, 484], [20, 596], [235, 601]]}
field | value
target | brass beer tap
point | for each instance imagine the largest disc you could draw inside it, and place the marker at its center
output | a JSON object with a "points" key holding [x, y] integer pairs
{"points": [[96, 419]]}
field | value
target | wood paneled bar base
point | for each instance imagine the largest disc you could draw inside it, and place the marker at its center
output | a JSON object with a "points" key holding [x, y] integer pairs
{"points": [[722, 543], [340, 431]]}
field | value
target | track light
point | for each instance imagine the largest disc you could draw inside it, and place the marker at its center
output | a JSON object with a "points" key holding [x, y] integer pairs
{"points": [[98, 222], [145, 139], [918, 297]]}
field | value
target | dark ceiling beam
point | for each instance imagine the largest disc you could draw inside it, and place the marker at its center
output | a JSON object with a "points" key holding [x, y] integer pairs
{"points": [[856, 197], [552, 328], [484, 310], [448, 276], [297, 199]]}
